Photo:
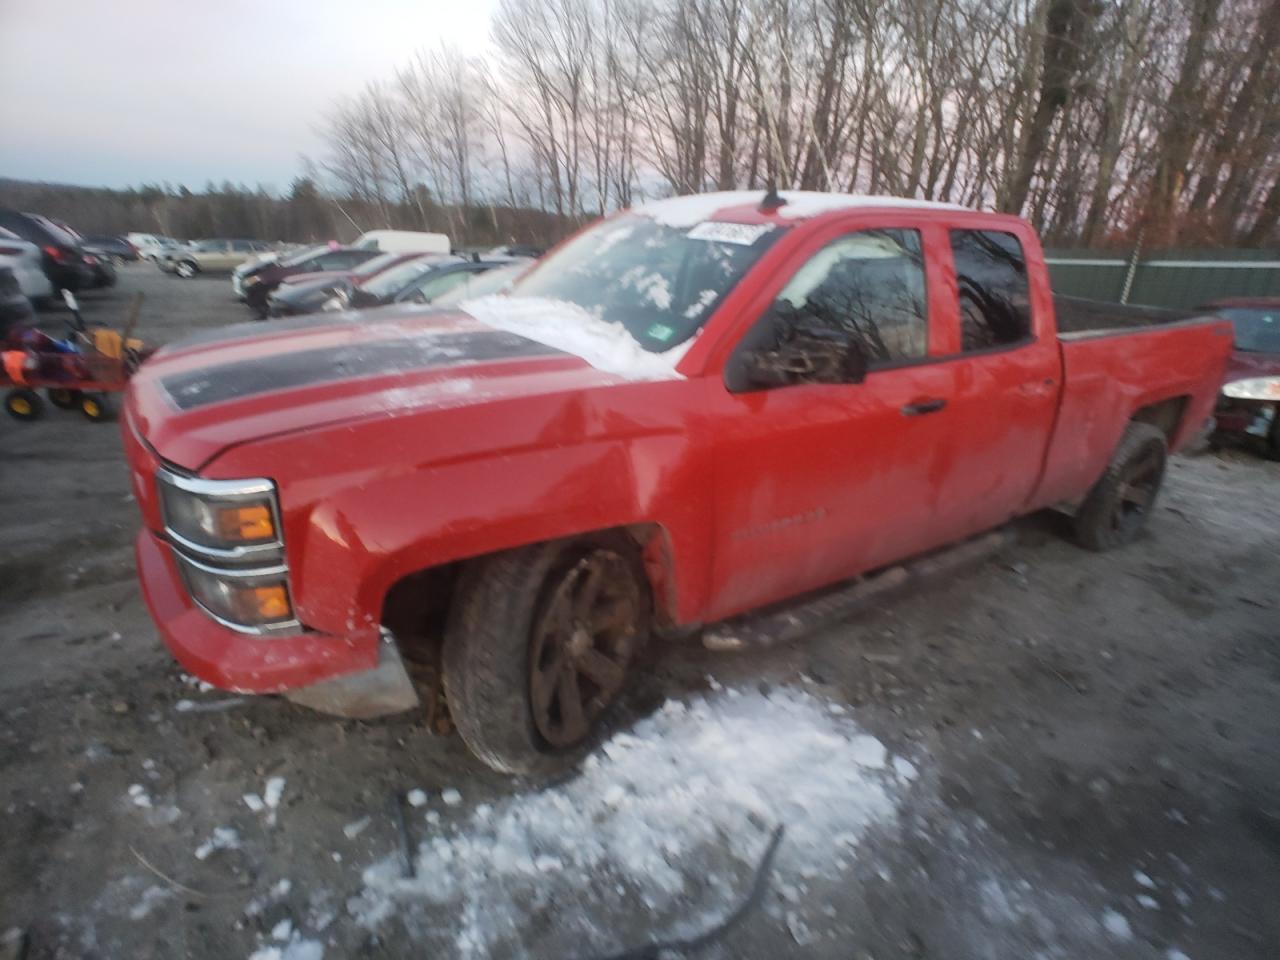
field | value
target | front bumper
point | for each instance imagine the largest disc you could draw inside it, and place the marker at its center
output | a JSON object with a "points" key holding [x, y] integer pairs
{"points": [[238, 661]]}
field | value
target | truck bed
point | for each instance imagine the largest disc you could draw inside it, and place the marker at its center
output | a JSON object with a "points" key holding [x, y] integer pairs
{"points": [[1076, 316]]}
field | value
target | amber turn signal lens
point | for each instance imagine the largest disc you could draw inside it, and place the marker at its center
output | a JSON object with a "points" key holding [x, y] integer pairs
{"points": [[270, 603], [240, 524]]}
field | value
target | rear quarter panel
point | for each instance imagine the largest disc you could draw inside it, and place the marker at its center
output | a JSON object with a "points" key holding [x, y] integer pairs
{"points": [[1109, 376]]}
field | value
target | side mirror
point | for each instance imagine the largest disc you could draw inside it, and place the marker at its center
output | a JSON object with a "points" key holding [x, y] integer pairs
{"points": [[806, 359]]}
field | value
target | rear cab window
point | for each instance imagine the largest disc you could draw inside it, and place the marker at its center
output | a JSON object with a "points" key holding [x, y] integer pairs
{"points": [[992, 286]]}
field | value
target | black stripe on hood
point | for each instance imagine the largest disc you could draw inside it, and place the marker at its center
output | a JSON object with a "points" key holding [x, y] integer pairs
{"points": [[245, 378]]}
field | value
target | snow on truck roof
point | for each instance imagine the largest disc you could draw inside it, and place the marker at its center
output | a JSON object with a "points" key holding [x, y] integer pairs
{"points": [[694, 209]]}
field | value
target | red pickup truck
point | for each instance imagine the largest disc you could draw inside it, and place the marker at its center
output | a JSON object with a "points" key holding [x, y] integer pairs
{"points": [[689, 410]]}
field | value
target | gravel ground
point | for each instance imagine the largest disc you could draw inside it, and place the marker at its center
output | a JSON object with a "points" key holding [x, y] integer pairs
{"points": [[1085, 752]]}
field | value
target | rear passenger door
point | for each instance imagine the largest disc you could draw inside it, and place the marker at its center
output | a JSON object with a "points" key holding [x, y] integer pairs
{"points": [[1004, 384]]}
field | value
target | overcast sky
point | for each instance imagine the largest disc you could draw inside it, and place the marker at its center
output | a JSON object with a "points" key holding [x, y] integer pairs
{"points": [[122, 92]]}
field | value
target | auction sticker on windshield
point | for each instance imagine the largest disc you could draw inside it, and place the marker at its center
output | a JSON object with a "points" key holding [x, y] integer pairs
{"points": [[744, 234]]}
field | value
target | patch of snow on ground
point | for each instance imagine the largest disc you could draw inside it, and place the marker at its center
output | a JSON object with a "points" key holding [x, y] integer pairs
{"points": [[1116, 925], [138, 794], [222, 838], [152, 897], [674, 815], [296, 950], [1142, 880], [416, 797], [566, 326]]}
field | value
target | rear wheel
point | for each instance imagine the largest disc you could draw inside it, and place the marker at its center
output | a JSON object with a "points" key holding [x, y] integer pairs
{"points": [[1119, 504], [539, 646], [186, 269], [23, 404], [1273, 439], [97, 407], [64, 398]]}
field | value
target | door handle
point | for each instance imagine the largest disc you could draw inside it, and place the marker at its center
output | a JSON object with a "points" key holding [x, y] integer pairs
{"points": [[922, 407]]}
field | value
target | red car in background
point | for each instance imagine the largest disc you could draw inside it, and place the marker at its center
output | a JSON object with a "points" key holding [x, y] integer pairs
{"points": [[1249, 405]]}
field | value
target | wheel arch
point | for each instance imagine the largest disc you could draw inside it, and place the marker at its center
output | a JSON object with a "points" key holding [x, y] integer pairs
{"points": [[1168, 415]]}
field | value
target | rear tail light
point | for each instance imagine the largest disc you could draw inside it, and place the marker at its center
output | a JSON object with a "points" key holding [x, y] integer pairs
{"points": [[10, 251], [56, 254]]}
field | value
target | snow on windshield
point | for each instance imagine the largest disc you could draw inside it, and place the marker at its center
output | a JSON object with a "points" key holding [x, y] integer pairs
{"points": [[649, 282], [568, 327]]}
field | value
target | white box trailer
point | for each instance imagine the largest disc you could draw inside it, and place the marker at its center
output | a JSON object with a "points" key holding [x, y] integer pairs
{"points": [[405, 241]]}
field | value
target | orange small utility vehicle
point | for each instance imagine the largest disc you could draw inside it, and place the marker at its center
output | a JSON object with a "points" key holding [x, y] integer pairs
{"points": [[83, 372]]}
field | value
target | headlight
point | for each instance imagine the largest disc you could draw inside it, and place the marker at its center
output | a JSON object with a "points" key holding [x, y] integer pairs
{"points": [[228, 544], [222, 519], [1255, 388], [251, 601], [250, 281]]}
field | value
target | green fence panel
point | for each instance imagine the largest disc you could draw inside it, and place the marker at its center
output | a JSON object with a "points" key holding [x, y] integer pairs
{"points": [[1176, 278]]}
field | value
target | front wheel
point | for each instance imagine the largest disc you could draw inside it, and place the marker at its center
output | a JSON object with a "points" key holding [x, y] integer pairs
{"points": [[538, 648], [186, 269], [1119, 504]]}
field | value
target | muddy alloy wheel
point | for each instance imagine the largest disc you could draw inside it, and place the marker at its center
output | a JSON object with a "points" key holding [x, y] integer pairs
{"points": [[581, 647], [539, 644], [1121, 501], [185, 269], [23, 404]]}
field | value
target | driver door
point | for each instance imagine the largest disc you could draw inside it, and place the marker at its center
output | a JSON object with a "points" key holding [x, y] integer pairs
{"points": [[819, 481]]}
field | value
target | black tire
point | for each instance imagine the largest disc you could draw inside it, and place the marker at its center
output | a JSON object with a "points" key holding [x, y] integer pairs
{"points": [[98, 407], [23, 404], [64, 398], [186, 269], [489, 667], [1119, 504]]}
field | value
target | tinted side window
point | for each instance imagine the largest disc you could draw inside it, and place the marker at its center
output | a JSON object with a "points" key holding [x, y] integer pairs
{"points": [[869, 287], [241, 246], [995, 300]]}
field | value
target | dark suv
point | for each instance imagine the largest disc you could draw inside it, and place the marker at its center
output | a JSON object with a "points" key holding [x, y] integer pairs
{"points": [[64, 260]]}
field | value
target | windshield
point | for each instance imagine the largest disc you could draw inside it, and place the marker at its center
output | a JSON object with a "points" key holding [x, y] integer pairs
{"points": [[1257, 328], [659, 282], [302, 256], [391, 282], [379, 263]]}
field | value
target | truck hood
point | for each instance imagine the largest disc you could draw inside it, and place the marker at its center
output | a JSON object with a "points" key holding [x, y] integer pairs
{"points": [[200, 396]]}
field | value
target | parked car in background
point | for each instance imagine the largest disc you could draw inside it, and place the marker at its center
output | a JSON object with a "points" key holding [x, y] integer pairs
{"points": [[24, 259], [302, 287], [210, 256], [62, 258], [259, 284], [116, 249], [516, 250], [420, 280], [104, 271], [15, 306], [488, 283], [151, 246], [1249, 405], [404, 241]]}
